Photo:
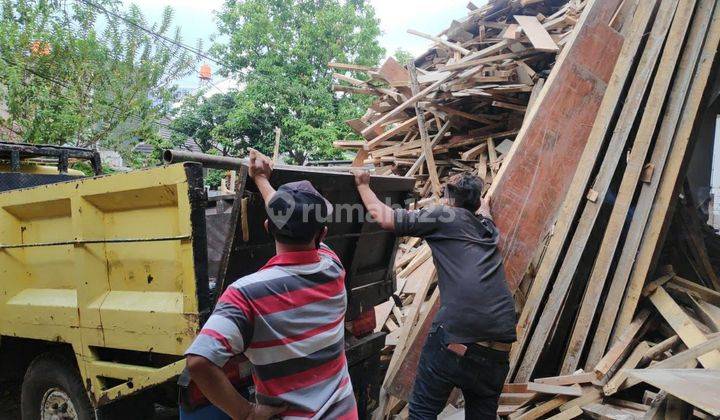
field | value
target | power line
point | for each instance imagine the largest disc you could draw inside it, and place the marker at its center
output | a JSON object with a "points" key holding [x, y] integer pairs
{"points": [[150, 32]]}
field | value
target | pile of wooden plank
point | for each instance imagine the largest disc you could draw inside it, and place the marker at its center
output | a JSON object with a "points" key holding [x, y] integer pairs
{"points": [[458, 107], [584, 170], [660, 350], [584, 308]]}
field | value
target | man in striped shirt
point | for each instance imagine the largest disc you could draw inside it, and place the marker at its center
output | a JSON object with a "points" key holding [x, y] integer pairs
{"points": [[288, 318]]}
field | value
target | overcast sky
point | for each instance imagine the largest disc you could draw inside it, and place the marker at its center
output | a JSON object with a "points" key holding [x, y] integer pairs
{"points": [[196, 19]]}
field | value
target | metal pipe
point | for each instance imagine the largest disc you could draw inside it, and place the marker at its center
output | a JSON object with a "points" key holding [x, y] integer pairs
{"points": [[231, 163]]}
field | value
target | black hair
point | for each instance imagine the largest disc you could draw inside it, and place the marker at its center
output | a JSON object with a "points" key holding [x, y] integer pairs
{"points": [[299, 239], [465, 190]]}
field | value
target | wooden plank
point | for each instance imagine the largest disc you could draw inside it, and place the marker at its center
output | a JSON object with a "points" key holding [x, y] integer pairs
{"points": [[548, 148], [352, 67], [659, 349], [616, 382], [660, 210], [683, 326], [394, 73], [570, 413], [400, 128], [453, 46], [621, 347], [577, 188], [515, 388], [516, 398], [584, 226], [607, 412], [401, 383], [505, 409], [644, 136], [408, 103], [579, 378], [538, 36], [439, 136], [698, 387], [702, 292], [628, 404], [590, 395], [708, 314], [684, 359], [573, 391], [542, 409], [657, 405], [426, 145]]}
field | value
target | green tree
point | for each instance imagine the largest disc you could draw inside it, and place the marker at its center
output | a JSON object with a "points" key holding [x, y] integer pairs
{"points": [[279, 50], [212, 123], [403, 56], [70, 73]]}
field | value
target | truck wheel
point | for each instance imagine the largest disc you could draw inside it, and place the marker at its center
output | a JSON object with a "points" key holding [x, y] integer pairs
{"points": [[52, 390]]}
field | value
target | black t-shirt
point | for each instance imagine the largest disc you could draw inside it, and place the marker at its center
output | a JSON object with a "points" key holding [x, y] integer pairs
{"points": [[476, 303]]}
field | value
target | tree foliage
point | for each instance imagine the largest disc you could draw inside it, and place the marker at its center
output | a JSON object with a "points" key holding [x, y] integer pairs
{"points": [[403, 56], [72, 74], [279, 50]]}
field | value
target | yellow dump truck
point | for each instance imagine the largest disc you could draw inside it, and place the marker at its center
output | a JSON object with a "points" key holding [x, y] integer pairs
{"points": [[104, 281]]}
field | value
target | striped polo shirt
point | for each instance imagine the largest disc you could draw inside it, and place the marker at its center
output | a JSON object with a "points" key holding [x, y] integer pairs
{"points": [[288, 319]]}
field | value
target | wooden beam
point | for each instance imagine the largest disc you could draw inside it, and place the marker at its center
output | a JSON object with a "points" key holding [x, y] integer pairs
{"points": [[542, 409], [684, 359], [578, 378], [682, 285], [616, 382], [351, 67], [698, 387], [276, 148], [400, 128], [448, 44], [577, 189], [644, 136], [622, 346], [615, 151], [572, 391], [426, 145], [439, 136], [665, 185], [683, 326], [538, 36], [410, 102]]}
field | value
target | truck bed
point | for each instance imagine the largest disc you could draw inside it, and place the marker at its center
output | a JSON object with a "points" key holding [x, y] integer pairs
{"points": [[116, 267]]}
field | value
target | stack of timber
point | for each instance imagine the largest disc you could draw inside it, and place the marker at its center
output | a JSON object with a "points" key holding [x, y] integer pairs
{"points": [[664, 364], [607, 330], [459, 106], [441, 115]]}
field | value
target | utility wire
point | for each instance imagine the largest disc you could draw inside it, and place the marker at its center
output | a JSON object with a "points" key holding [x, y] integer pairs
{"points": [[150, 32]]}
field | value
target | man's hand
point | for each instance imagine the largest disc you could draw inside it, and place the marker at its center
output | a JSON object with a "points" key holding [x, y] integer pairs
{"points": [[362, 177], [484, 209], [260, 165], [264, 412]]}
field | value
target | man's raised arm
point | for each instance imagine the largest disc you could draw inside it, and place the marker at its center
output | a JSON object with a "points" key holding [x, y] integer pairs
{"points": [[260, 169], [381, 212]]}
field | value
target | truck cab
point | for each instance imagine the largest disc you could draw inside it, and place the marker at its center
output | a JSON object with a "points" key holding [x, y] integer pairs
{"points": [[106, 280]]}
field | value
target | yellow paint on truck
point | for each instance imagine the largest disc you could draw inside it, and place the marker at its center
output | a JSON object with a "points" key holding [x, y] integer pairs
{"points": [[103, 263]]}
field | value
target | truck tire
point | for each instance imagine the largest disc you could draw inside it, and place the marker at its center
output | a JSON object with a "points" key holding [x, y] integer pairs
{"points": [[52, 387]]}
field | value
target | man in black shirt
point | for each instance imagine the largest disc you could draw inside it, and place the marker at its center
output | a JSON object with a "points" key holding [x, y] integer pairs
{"points": [[469, 342]]}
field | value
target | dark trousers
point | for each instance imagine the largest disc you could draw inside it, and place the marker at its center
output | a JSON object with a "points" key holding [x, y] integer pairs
{"points": [[479, 374]]}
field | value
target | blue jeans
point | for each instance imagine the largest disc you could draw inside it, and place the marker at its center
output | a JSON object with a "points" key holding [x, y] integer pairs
{"points": [[480, 375]]}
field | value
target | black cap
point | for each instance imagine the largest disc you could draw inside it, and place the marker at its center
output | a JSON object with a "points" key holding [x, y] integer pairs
{"points": [[298, 210]]}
